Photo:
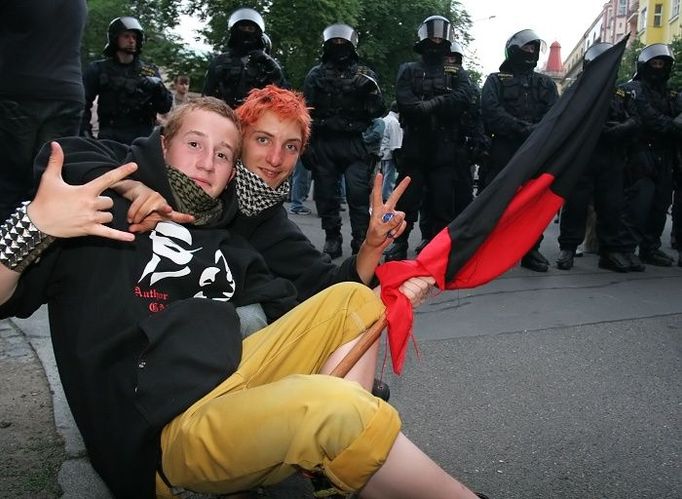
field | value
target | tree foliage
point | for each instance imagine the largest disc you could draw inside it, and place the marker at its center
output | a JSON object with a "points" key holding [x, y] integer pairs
{"points": [[387, 30]]}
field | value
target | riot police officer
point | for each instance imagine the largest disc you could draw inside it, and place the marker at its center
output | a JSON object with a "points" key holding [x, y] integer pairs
{"points": [[432, 95], [476, 144], [130, 90], [246, 64], [602, 182], [649, 169], [513, 102], [345, 97]]}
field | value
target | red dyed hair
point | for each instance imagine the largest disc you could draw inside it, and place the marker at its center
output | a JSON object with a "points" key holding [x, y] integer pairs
{"points": [[286, 104]]}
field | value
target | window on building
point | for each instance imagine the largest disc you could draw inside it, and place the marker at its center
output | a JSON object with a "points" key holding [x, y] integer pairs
{"points": [[623, 7], [658, 15], [642, 20], [675, 10]]}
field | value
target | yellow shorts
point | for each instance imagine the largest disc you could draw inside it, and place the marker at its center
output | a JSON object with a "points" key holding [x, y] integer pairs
{"points": [[274, 415]]}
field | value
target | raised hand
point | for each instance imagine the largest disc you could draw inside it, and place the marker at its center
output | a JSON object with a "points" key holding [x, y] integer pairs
{"points": [[63, 210], [385, 224], [147, 207]]}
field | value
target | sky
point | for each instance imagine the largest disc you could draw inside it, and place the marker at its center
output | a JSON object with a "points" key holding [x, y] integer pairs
{"points": [[552, 20]]}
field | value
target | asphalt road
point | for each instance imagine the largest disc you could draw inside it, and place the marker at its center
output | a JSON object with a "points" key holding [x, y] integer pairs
{"points": [[557, 385]]}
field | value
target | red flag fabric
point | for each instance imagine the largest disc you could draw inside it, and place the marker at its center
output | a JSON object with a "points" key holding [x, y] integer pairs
{"points": [[494, 232]]}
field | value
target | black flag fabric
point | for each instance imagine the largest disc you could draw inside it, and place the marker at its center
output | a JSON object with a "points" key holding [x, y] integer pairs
{"points": [[501, 225]]}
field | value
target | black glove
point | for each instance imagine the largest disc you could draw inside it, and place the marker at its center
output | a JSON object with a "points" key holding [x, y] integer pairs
{"points": [[429, 106], [364, 84], [267, 64], [615, 130], [151, 84]]}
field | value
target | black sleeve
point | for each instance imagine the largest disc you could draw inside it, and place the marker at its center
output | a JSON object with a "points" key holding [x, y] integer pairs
{"points": [[288, 253], [210, 81], [309, 86], [84, 159], [163, 98], [33, 287], [496, 119], [91, 87], [653, 120]]}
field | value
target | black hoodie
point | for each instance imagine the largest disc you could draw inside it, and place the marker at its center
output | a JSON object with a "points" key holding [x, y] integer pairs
{"points": [[136, 340]]}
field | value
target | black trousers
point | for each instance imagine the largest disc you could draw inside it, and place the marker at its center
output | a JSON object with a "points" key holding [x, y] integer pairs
{"points": [[25, 125], [462, 194], [602, 183], [677, 208], [647, 202], [331, 155]]}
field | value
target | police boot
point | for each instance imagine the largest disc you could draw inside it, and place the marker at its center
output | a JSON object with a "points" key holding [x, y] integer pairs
{"points": [[355, 245], [332, 245], [612, 260], [656, 257], [679, 258], [565, 260], [397, 251], [381, 390], [635, 264], [534, 260]]}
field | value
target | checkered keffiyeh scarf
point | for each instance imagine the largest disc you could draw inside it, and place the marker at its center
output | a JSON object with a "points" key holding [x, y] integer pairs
{"points": [[192, 199], [254, 194]]}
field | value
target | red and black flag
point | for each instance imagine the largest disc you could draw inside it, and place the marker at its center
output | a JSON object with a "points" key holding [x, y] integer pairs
{"points": [[494, 232]]}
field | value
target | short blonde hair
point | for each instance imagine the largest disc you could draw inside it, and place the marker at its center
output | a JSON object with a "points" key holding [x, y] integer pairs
{"points": [[211, 104]]}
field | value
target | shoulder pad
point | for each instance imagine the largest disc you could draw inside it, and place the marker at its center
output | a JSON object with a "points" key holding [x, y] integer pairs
{"points": [[673, 93], [620, 92], [365, 70]]}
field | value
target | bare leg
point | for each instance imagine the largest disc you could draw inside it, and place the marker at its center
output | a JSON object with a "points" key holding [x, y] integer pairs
{"points": [[363, 371], [408, 473]]}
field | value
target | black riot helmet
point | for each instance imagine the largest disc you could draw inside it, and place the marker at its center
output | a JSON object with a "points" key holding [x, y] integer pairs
{"points": [[118, 26], [456, 52], [340, 43], [645, 70], [516, 55], [595, 51], [434, 27], [246, 27]]}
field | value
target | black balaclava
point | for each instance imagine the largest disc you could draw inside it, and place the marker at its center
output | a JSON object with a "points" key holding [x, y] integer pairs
{"points": [[340, 54], [657, 76], [433, 53], [522, 61], [245, 41]]}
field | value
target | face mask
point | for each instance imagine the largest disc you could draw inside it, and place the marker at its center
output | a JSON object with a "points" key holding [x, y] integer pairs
{"points": [[433, 52], [523, 61], [340, 53], [246, 40]]}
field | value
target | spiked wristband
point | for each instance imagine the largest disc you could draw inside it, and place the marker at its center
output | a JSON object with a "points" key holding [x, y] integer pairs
{"points": [[21, 242]]}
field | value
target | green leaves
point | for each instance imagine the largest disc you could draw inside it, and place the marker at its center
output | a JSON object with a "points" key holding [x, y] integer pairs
{"points": [[387, 31]]}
